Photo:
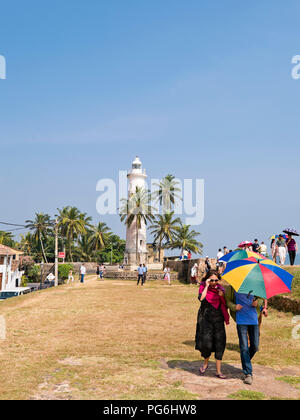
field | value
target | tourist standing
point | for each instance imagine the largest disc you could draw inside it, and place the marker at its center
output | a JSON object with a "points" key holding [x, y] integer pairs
{"points": [[220, 264], [282, 249], [189, 255], [255, 246], [167, 275], [194, 274], [140, 275], [292, 248], [274, 250], [245, 310], [220, 254], [225, 250], [263, 249], [70, 277], [207, 264], [82, 273], [212, 316], [101, 271], [145, 271]]}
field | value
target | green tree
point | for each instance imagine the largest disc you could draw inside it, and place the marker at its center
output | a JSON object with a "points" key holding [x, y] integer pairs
{"points": [[136, 211], [99, 236], [164, 229], [40, 227], [186, 239], [167, 193], [6, 238], [26, 244], [72, 224]]}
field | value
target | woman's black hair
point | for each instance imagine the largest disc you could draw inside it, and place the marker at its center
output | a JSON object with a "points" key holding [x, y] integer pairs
{"points": [[212, 273]]}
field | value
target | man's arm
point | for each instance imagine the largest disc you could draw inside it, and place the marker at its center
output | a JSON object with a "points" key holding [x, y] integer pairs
{"points": [[229, 297]]}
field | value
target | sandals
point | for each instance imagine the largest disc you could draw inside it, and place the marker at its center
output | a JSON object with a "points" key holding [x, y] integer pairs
{"points": [[221, 376], [203, 369]]}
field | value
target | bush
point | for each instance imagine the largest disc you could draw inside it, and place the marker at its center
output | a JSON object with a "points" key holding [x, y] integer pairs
{"points": [[63, 271], [33, 274], [24, 281]]}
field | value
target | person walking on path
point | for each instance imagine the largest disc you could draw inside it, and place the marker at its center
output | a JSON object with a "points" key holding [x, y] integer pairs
{"points": [[70, 277], [101, 271], [167, 275], [245, 310], [82, 273], [140, 275], [292, 248], [282, 249], [212, 316], [145, 271]]}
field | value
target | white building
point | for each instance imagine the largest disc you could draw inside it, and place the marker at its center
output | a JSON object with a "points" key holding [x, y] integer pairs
{"points": [[136, 178], [10, 275]]}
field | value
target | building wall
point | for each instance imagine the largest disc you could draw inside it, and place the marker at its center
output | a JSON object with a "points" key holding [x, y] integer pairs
{"points": [[10, 273]]}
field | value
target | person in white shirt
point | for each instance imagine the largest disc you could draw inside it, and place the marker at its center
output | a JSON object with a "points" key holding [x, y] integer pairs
{"points": [[70, 277], [220, 254], [167, 275], [82, 273], [140, 271], [263, 249], [220, 264]]}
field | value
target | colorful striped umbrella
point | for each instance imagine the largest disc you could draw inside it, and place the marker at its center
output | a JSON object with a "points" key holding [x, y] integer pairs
{"points": [[261, 278], [277, 236], [241, 254], [244, 244]]}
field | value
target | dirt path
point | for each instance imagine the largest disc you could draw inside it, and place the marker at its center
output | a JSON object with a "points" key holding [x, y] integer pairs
{"points": [[210, 387]]}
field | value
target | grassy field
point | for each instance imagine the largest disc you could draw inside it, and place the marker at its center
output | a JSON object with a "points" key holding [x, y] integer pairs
{"points": [[107, 340]]}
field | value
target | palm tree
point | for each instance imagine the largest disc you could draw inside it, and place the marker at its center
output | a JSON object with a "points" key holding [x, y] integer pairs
{"points": [[72, 223], [166, 194], [26, 244], [137, 211], [40, 227], [99, 236], [83, 251], [164, 228], [6, 238], [185, 239]]}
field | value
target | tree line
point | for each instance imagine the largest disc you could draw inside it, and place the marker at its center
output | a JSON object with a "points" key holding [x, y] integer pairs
{"points": [[81, 240]]}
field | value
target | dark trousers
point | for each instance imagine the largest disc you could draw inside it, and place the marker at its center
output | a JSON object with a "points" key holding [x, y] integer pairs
{"points": [[247, 352], [292, 255], [140, 277]]}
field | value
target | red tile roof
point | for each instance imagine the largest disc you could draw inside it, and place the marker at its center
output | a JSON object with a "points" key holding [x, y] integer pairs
{"points": [[6, 250]]}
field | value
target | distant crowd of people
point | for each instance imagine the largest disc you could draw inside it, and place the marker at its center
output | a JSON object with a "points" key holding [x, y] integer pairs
{"points": [[280, 247]]}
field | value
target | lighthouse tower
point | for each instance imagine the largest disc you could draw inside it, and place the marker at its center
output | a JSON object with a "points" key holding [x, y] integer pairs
{"points": [[136, 178]]}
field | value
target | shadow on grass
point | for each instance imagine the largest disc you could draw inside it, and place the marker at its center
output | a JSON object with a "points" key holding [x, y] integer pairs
{"points": [[229, 346], [193, 367]]}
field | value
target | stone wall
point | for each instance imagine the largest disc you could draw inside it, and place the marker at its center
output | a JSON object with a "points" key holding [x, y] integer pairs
{"points": [[183, 267], [132, 275]]}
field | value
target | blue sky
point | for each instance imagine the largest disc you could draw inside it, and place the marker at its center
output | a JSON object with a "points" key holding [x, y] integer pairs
{"points": [[199, 89]]}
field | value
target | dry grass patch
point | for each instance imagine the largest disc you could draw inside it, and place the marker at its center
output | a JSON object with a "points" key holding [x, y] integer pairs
{"points": [[103, 341]]}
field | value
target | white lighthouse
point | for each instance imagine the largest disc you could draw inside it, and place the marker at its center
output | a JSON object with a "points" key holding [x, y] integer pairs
{"points": [[136, 178]]}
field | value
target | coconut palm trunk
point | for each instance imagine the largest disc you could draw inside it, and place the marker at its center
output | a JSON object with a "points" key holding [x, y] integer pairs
{"points": [[43, 250]]}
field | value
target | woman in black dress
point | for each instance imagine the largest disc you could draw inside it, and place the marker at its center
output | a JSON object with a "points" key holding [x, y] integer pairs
{"points": [[210, 333]]}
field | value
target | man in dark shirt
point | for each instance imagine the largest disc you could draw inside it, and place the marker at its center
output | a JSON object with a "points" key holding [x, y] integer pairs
{"points": [[255, 245]]}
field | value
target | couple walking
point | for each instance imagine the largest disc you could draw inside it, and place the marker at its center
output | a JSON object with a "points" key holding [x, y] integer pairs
{"points": [[212, 317], [142, 274]]}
